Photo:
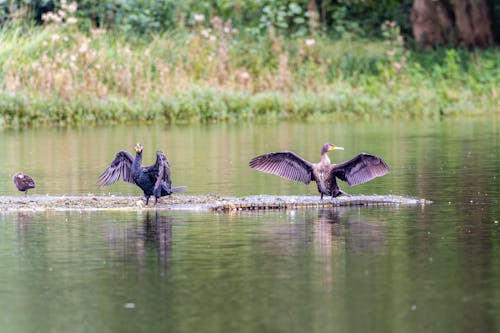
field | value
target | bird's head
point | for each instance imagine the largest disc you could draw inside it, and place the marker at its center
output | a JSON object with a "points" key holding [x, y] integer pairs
{"points": [[138, 148], [329, 147]]}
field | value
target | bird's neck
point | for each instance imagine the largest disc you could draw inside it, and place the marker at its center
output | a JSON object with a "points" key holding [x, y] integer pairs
{"points": [[325, 160], [138, 161]]}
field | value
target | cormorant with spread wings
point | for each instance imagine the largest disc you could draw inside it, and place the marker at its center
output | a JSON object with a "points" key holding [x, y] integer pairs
{"points": [[153, 180], [360, 169]]}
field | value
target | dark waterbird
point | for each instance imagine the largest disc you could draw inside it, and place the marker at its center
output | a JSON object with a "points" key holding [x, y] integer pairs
{"points": [[362, 168], [153, 180], [23, 182]]}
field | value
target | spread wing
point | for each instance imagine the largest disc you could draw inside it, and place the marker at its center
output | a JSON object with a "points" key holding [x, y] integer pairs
{"points": [[120, 167], [360, 169], [159, 172], [285, 164]]}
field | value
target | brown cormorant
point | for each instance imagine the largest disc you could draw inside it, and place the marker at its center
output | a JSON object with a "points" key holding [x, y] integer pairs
{"points": [[287, 164], [23, 182], [153, 180]]}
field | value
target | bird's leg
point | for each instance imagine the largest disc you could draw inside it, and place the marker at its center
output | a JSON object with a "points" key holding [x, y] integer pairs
{"points": [[156, 201], [321, 196], [26, 193], [147, 199]]}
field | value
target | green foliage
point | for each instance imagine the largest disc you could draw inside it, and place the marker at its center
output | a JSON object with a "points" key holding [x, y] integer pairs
{"points": [[369, 15], [61, 74], [344, 18], [338, 18], [146, 17], [342, 24], [285, 15]]}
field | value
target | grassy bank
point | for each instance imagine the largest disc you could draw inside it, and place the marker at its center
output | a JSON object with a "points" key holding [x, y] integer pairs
{"points": [[59, 75]]}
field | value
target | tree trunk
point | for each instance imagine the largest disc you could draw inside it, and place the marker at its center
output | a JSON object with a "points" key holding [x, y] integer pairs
{"points": [[431, 22], [435, 23], [313, 14], [473, 22]]}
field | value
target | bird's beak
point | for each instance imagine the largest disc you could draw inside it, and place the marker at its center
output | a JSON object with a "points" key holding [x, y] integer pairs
{"points": [[333, 147]]}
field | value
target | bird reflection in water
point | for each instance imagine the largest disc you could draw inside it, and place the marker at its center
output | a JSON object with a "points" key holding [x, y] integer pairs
{"points": [[338, 233], [328, 230], [348, 225], [23, 222], [158, 233], [146, 243]]}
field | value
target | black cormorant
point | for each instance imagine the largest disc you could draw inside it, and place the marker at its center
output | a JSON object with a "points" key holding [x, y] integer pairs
{"points": [[153, 180]]}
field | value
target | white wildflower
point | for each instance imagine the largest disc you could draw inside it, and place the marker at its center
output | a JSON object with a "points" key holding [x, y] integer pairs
{"points": [[205, 33], [199, 17], [396, 65], [98, 32], [83, 48], [72, 7], [56, 18], [244, 75]]}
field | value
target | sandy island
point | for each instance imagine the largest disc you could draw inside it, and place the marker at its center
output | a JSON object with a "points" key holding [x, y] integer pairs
{"points": [[197, 202]]}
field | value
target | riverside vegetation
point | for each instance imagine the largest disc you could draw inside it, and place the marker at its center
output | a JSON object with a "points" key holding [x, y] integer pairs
{"points": [[59, 73]]}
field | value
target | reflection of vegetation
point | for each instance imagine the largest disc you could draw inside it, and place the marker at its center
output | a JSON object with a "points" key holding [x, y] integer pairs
{"points": [[65, 73]]}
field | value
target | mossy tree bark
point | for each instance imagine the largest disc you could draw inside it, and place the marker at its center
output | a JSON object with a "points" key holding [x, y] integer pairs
{"points": [[473, 22], [431, 22], [437, 22]]}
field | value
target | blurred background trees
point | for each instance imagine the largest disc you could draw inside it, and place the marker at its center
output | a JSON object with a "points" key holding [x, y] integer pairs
{"points": [[466, 22], [471, 23]]}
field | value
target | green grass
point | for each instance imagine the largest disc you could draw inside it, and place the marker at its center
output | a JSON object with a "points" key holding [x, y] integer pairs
{"points": [[58, 75]]}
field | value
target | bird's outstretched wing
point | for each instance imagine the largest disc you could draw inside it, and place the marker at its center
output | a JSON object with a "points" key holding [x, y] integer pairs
{"points": [[360, 169], [285, 164], [120, 167], [159, 172]]}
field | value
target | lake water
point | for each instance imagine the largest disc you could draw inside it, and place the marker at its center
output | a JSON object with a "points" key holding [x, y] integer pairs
{"points": [[366, 269]]}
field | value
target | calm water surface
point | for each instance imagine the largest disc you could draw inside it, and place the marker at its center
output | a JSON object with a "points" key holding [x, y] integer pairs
{"points": [[433, 268]]}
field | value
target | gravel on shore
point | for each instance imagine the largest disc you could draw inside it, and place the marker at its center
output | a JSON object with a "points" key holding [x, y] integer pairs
{"points": [[209, 202]]}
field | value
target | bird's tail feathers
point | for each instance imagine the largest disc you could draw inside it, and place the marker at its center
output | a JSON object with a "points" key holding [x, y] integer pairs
{"points": [[166, 190], [178, 189]]}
